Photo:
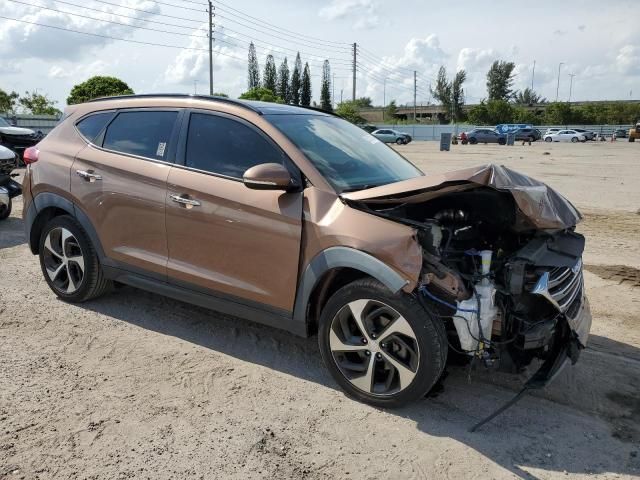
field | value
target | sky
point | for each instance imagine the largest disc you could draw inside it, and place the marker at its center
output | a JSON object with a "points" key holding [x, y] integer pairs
{"points": [[597, 42]]}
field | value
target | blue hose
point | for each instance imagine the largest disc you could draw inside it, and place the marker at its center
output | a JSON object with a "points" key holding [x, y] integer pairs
{"points": [[426, 292]]}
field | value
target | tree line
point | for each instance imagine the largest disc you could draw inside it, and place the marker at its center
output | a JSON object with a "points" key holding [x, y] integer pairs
{"points": [[281, 86]]}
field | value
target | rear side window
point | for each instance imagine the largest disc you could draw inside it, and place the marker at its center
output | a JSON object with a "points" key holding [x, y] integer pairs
{"points": [[226, 147], [146, 134], [91, 126]]}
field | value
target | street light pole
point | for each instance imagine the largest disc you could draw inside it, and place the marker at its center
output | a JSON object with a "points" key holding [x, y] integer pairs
{"points": [[533, 74], [211, 15], [558, 86], [571, 84]]}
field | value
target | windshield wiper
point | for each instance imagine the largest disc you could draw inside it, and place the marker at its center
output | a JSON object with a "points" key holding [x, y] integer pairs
{"points": [[356, 188]]}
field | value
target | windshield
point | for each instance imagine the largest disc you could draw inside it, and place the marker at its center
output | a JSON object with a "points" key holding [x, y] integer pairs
{"points": [[3, 123], [347, 156]]}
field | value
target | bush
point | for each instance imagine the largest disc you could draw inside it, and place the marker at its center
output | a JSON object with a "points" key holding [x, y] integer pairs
{"points": [[262, 94], [97, 87]]}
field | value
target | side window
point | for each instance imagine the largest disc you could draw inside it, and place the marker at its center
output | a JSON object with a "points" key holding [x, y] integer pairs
{"points": [[224, 146], [89, 127], [146, 134]]}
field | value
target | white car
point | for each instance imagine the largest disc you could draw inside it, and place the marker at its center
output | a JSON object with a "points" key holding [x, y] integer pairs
{"points": [[565, 136]]}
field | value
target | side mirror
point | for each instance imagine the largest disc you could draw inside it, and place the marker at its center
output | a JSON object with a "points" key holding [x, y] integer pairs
{"points": [[268, 176]]}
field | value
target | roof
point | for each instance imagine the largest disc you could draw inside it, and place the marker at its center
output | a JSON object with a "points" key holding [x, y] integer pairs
{"points": [[262, 108]]}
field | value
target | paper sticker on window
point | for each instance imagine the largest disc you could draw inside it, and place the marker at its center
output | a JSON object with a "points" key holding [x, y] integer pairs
{"points": [[161, 147]]}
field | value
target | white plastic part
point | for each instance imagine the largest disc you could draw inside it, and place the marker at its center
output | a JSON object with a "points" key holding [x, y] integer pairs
{"points": [[466, 322]]}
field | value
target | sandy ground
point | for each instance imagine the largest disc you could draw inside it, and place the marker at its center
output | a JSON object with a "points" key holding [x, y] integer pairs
{"points": [[134, 385]]}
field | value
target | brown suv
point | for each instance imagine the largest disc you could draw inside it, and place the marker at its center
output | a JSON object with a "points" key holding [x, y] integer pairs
{"points": [[300, 220]]}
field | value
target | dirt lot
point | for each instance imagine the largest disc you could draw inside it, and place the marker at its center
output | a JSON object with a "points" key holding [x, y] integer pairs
{"points": [[134, 385]]}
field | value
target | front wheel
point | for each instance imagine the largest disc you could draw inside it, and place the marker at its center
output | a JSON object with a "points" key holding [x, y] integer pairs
{"points": [[382, 348], [399, 141], [548, 140], [574, 140], [5, 210]]}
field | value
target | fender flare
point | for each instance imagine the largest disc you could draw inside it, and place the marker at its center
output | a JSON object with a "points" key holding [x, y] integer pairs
{"points": [[46, 200], [335, 257]]}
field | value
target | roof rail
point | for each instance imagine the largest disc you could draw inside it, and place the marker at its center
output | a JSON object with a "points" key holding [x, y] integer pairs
{"points": [[180, 95], [316, 109]]}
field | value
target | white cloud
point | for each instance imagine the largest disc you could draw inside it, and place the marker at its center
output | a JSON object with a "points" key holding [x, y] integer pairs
{"points": [[78, 71], [628, 60], [28, 40], [364, 12]]}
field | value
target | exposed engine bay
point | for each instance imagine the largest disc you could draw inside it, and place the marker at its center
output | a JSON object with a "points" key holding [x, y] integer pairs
{"points": [[501, 266]]}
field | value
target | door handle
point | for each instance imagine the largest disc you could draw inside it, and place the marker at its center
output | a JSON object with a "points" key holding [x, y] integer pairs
{"points": [[187, 202], [89, 176]]}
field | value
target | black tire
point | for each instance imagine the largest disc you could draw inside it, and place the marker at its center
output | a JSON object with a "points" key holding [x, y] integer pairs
{"points": [[92, 283], [632, 139], [473, 141], [5, 210], [400, 141], [429, 335], [531, 139], [548, 140], [574, 140], [502, 142]]}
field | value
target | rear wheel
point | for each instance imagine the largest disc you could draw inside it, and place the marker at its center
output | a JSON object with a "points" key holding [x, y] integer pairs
{"points": [[69, 261], [473, 141], [381, 348], [5, 210]]}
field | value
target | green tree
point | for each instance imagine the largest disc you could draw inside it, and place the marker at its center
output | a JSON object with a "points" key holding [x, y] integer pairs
{"points": [[262, 94], [284, 89], [8, 101], [500, 80], [349, 110], [391, 110], [525, 115], [558, 113], [492, 112], [220, 94], [528, 97], [253, 69], [97, 87], [457, 95], [37, 104], [442, 90], [325, 87], [270, 77], [305, 93], [296, 81], [363, 102], [479, 114]]}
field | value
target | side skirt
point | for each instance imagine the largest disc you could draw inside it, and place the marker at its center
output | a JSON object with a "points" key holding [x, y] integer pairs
{"points": [[210, 301]]}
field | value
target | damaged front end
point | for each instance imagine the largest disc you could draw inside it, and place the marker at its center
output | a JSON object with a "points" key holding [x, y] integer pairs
{"points": [[501, 263]]}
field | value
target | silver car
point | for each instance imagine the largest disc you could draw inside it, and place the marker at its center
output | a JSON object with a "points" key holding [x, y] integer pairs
{"points": [[387, 135]]}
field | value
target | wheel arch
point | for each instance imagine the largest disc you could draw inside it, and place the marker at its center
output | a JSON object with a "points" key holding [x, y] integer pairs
{"points": [[332, 269], [46, 206]]}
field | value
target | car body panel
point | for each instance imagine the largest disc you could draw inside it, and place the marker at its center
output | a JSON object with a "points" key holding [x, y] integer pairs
{"points": [[565, 135], [485, 135], [236, 239]]}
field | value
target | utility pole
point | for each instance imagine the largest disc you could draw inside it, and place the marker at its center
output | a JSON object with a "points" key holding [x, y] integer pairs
{"points": [[333, 90], [533, 74], [571, 84], [195, 87], [211, 15], [558, 86], [355, 59], [384, 96], [415, 91]]}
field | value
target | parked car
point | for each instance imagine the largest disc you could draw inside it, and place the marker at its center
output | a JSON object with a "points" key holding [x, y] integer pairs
{"points": [[294, 218], [486, 135], [565, 136], [387, 135], [551, 131], [620, 133], [16, 138], [528, 134], [588, 135], [9, 188]]}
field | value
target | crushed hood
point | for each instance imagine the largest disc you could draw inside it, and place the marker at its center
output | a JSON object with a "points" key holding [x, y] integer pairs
{"points": [[538, 205]]}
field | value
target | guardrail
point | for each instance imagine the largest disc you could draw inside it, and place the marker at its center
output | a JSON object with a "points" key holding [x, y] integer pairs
{"points": [[43, 123]]}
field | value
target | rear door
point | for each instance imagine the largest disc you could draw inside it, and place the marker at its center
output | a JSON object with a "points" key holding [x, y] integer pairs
{"points": [[119, 181], [241, 244]]}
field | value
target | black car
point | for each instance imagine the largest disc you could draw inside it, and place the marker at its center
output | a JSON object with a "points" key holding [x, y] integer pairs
{"points": [[16, 138], [528, 134], [621, 133]]}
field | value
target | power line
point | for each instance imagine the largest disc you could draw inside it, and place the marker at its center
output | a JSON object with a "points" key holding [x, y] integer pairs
{"points": [[319, 40], [139, 42], [179, 6], [108, 21], [149, 12]]}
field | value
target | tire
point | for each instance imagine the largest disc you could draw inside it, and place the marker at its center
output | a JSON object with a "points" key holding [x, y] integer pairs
{"points": [[632, 139], [574, 139], [548, 140], [502, 142], [531, 139], [69, 261], [399, 141], [473, 141], [400, 366], [5, 210]]}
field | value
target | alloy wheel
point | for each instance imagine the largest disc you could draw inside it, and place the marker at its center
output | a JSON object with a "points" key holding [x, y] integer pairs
{"points": [[63, 260], [374, 347]]}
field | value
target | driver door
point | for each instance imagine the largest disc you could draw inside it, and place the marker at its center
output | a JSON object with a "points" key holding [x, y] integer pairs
{"points": [[227, 239]]}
